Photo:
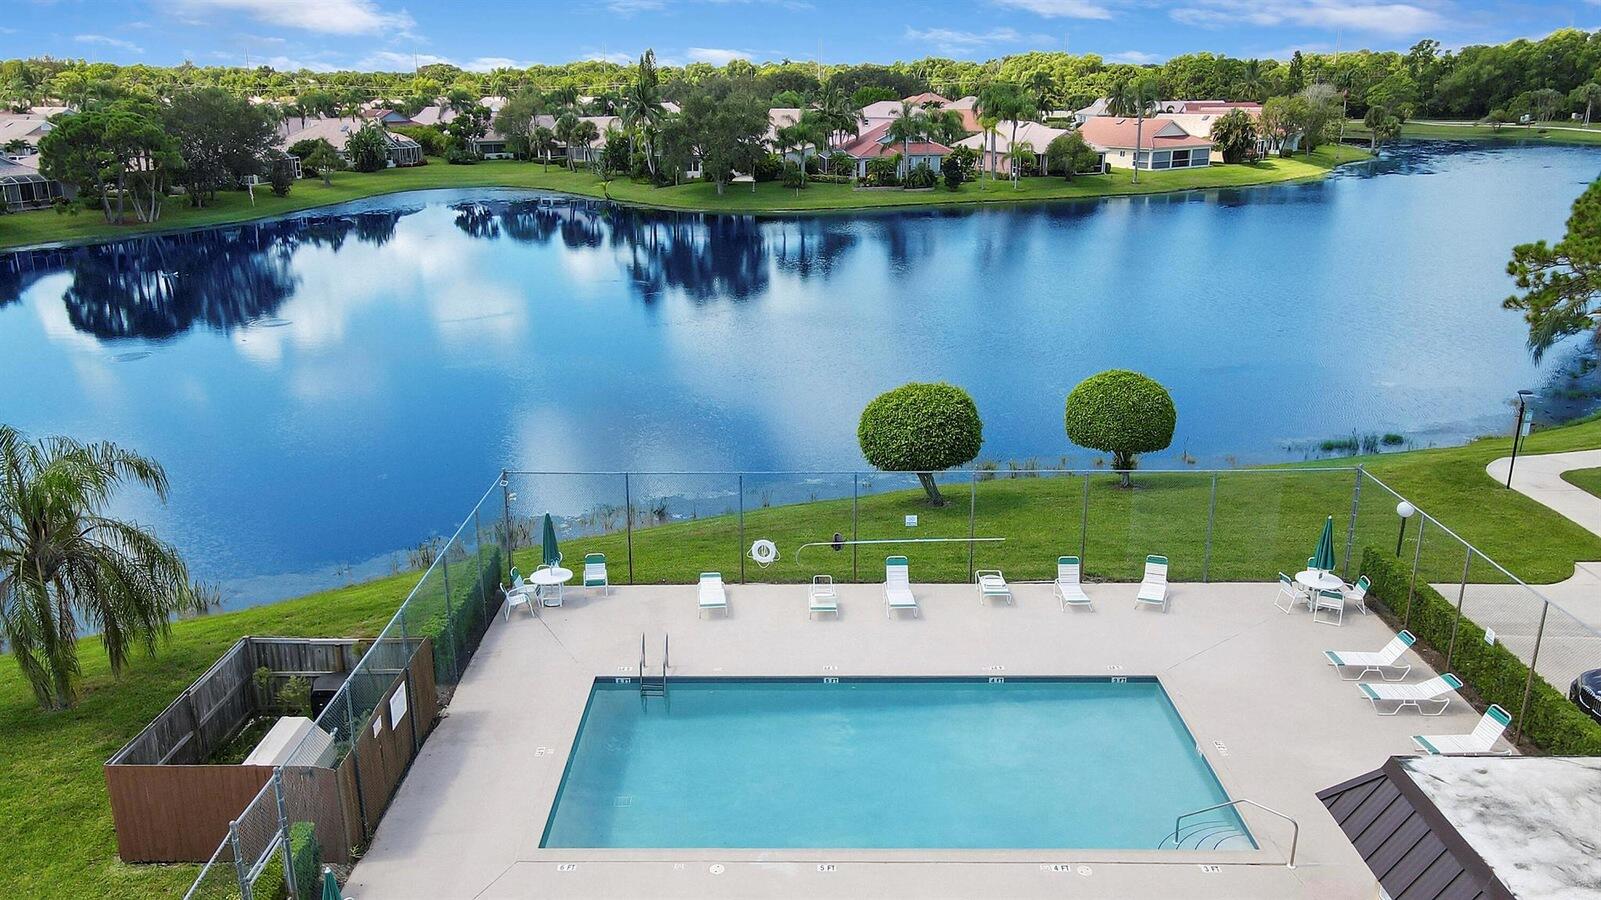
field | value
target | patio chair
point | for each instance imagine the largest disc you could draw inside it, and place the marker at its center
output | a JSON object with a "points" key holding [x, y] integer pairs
{"points": [[1386, 659], [992, 585], [1291, 594], [1066, 586], [1153, 587], [821, 596], [1438, 689], [1329, 602], [519, 594], [712, 595], [1482, 739], [1358, 594], [898, 587], [595, 572]]}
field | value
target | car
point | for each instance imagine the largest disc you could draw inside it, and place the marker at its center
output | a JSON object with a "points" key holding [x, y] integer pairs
{"points": [[1586, 693]]}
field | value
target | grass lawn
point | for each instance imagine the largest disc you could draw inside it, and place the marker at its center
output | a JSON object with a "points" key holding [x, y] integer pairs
{"points": [[85, 226], [1584, 479], [55, 822], [1546, 133]]}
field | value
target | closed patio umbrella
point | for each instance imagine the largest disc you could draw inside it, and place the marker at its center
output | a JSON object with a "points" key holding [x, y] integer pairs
{"points": [[549, 555], [330, 885], [1323, 558]]}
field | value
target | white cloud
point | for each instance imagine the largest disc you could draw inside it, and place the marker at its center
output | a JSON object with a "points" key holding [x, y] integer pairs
{"points": [[616, 56], [1136, 57], [323, 16], [948, 40], [1059, 9], [716, 56], [104, 41], [1361, 15]]}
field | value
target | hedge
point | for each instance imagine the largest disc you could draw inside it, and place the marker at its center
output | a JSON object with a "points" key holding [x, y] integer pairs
{"points": [[456, 636], [306, 854], [1494, 672]]}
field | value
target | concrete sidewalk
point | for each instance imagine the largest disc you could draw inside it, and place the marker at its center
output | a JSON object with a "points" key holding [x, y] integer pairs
{"points": [[1540, 477]]}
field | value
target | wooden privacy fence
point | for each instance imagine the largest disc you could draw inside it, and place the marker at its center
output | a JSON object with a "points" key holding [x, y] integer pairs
{"points": [[169, 804]]}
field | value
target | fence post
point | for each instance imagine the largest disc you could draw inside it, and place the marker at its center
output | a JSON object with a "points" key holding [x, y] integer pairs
{"points": [[1461, 595], [240, 870], [1417, 557], [450, 620], [741, 548], [478, 535], [505, 522], [1350, 529], [628, 502], [1084, 526], [1211, 517], [1528, 685], [283, 831], [972, 518], [856, 489]]}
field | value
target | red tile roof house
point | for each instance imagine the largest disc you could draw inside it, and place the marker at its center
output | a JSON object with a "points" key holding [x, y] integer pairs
{"points": [[875, 142], [1163, 143]]}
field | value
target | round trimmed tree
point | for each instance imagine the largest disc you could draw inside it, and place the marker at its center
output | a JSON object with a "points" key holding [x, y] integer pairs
{"points": [[921, 428], [1122, 413]]}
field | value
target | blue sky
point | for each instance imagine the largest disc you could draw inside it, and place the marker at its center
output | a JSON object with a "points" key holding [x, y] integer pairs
{"points": [[480, 34]]}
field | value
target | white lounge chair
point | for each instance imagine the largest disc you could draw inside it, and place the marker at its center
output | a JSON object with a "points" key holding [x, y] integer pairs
{"points": [[1481, 740], [595, 572], [1332, 602], [1386, 659], [712, 595], [1067, 587], [1358, 594], [519, 594], [1153, 588], [898, 587], [992, 586], [1291, 594], [821, 596], [1436, 690]]}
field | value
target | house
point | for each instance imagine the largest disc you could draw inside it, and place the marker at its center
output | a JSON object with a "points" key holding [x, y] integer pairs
{"points": [[968, 107], [402, 150], [388, 117], [885, 110], [603, 125], [875, 142], [26, 128], [492, 145], [435, 115], [784, 117], [1163, 143], [1452, 827], [22, 187], [997, 151]]}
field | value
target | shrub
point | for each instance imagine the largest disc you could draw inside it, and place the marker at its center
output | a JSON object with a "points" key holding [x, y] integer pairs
{"points": [[1494, 672], [457, 625], [434, 142], [306, 854], [282, 175], [459, 154], [841, 163], [951, 171], [368, 149], [883, 171], [921, 428], [294, 698], [921, 177], [1123, 413], [832, 179], [794, 176], [768, 167], [306, 149]]}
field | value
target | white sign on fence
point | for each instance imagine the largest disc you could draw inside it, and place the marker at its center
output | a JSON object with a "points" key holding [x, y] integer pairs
{"points": [[911, 521], [1489, 636], [397, 707]]}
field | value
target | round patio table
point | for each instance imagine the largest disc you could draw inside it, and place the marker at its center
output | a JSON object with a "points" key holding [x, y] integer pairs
{"points": [[554, 576], [1319, 580]]}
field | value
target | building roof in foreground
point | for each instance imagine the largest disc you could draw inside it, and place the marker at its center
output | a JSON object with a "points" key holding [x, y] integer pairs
{"points": [[874, 142], [1476, 827], [1155, 133]]}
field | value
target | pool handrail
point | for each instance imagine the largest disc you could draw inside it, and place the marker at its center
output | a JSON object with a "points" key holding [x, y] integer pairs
{"points": [[1295, 836]]}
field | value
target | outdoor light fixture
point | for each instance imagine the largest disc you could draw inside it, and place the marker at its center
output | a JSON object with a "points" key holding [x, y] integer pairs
{"points": [[1406, 511], [1517, 432]]}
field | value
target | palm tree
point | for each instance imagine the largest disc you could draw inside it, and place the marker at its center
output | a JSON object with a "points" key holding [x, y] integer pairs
{"points": [[1252, 84], [64, 562], [840, 116], [909, 124], [584, 133], [642, 109], [1588, 94], [541, 141], [1002, 101], [1133, 97], [1020, 155], [1043, 87], [946, 126], [566, 124]]}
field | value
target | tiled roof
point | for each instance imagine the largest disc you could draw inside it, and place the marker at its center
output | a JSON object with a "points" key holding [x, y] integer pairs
{"points": [[1155, 133], [871, 143]]}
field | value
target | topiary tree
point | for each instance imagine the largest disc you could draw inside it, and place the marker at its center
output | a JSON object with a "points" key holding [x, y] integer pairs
{"points": [[1122, 413], [921, 428]]}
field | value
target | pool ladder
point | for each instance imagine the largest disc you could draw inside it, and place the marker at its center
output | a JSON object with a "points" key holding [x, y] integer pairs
{"points": [[652, 685]]}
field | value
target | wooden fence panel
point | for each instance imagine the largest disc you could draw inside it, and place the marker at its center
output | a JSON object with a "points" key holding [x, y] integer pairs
{"points": [[178, 813], [311, 794]]}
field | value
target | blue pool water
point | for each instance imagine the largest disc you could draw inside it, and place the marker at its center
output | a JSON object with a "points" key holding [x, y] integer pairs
{"points": [[882, 763]]}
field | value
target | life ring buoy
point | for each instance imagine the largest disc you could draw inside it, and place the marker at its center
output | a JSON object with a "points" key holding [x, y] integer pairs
{"points": [[764, 551]]}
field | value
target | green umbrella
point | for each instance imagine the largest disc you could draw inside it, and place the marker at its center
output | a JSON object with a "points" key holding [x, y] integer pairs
{"points": [[1324, 557], [330, 886], [550, 556]]}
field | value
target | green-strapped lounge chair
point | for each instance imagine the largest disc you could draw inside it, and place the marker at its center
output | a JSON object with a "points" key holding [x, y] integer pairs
{"points": [[1153, 587], [1438, 689], [898, 587], [1482, 739], [1067, 586], [992, 586], [1387, 659]]}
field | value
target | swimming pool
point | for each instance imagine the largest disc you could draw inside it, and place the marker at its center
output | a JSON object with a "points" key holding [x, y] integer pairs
{"points": [[956, 763]]}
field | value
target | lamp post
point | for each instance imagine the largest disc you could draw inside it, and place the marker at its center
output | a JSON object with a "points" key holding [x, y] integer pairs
{"points": [[1406, 511], [1517, 432]]}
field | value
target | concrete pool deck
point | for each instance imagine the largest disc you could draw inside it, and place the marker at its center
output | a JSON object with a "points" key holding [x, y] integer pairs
{"points": [[1270, 715]]}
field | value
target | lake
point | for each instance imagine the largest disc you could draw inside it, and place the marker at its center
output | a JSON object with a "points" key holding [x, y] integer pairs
{"points": [[328, 389]]}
